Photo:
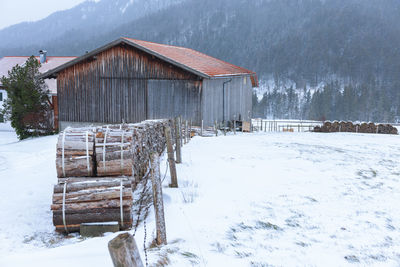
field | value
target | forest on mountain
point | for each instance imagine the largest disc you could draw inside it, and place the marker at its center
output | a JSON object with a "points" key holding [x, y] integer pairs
{"points": [[340, 57]]}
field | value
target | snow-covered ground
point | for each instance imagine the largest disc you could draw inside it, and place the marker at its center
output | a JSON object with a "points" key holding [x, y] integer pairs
{"points": [[262, 199], [5, 127]]}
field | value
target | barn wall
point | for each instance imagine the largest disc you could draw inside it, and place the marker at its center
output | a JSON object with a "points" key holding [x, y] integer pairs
{"points": [[112, 87], [169, 99], [238, 100]]}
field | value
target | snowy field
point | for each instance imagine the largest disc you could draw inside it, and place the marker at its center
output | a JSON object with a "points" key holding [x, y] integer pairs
{"points": [[263, 199]]}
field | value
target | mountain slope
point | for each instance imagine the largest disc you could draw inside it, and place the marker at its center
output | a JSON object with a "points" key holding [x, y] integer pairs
{"points": [[307, 41], [347, 49], [85, 20]]}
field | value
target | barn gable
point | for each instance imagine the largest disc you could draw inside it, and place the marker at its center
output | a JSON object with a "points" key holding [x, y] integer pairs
{"points": [[188, 59]]}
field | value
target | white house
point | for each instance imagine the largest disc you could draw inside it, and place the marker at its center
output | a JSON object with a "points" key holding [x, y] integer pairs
{"points": [[48, 63]]}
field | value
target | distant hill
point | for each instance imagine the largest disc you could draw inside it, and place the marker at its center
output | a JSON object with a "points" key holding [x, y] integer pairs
{"points": [[84, 21], [302, 40], [303, 43]]}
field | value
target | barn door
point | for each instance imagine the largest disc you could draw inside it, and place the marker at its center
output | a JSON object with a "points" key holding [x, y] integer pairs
{"points": [[160, 99], [130, 97], [171, 98]]}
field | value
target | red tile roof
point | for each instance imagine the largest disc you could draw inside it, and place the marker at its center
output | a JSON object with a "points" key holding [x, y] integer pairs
{"points": [[186, 58], [192, 59]]}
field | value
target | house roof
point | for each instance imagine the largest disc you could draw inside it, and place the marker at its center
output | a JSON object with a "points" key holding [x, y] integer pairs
{"points": [[191, 60], [7, 63]]}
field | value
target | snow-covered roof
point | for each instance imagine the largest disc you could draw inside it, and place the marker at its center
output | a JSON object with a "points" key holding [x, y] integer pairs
{"points": [[7, 63]]}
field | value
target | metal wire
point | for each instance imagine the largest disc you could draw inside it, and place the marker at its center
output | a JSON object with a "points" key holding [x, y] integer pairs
{"points": [[143, 193], [145, 235]]}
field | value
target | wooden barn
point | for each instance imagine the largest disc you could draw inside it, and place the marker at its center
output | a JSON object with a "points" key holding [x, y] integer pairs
{"points": [[130, 80]]}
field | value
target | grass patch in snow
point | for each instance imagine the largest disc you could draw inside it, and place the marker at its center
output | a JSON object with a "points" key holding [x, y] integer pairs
{"points": [[267, 225], [189, 191], [259, 264], [367, 174], [352, 258], [166, 255]]}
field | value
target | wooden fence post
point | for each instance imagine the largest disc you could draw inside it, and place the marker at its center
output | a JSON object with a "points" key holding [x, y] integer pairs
{"points": [[234, 126], [224, 127], [171, 160], [180, 131], [202, 126], [178, 141], [161, 235], [124, 251], [190, 129], [215, 128], [186, 130]]}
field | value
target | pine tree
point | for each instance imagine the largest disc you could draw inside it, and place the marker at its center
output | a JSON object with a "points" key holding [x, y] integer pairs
{"points": [[27, 105]]}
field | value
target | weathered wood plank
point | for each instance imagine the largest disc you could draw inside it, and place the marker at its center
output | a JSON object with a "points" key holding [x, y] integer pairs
{"points": [[124, 251]]}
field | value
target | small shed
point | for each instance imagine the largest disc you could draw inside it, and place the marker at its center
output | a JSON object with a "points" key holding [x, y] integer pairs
{"points": [[131, 80]]}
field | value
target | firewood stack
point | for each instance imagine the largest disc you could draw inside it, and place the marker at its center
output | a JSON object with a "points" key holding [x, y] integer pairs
{"points": [[113, 151], [148, 136], [329, 127], [96, 166], [91, 200], [75, 152]]}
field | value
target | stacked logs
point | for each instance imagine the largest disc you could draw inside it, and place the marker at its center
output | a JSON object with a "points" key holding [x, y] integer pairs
{"points": [[330, 127], [148, 136], [91, 200], [75, 152], [113, 151], [117, 152]]}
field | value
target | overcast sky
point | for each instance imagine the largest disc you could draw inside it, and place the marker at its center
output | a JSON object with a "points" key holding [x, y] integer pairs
{"points": [[15, 11]]}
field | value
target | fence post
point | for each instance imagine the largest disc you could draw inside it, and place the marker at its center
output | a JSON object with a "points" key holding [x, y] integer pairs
{"points": [[215, 128], [185, 128], [190, 130], [202, 126], [161, 235], [124, 251], [178, 141], [171, 160], [187, 131], [181, 131], [224, 127], [234, 126]]}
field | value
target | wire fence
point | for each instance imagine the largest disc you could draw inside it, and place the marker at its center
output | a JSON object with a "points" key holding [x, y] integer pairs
{"points": [[265, 125]]}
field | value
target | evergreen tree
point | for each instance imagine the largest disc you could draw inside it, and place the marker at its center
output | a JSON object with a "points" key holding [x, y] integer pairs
{"points": [[27, 105]]}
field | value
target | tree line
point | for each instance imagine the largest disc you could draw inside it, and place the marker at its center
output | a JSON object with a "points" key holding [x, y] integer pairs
{"points": [[363, 102]]}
